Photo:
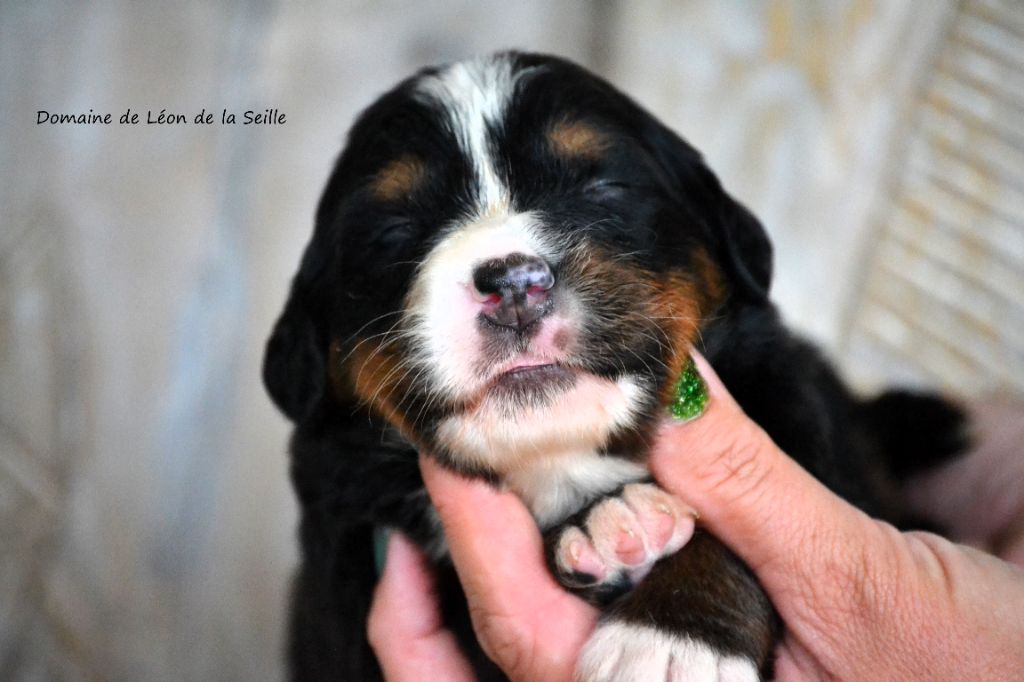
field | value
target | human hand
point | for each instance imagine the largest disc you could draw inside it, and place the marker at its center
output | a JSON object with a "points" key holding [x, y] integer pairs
{"points": [[405, 627], [859, 599], [525, 621]]}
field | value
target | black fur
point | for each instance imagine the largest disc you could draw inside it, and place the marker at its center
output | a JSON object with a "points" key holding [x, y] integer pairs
{"points": [[649, 195]]}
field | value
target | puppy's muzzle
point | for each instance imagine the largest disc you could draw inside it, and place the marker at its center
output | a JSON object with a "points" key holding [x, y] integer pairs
{"points": [[514, 291]]}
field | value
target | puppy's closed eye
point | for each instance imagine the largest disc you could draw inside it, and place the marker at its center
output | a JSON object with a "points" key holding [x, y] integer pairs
{"points": [[606, 190], [395, 231]]}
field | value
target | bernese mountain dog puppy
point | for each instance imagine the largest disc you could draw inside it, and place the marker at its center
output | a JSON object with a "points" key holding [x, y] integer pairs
{"points": [[510, 266]]}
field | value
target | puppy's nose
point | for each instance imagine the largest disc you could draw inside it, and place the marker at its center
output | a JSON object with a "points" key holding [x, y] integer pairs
{"points": [[514, 289]]}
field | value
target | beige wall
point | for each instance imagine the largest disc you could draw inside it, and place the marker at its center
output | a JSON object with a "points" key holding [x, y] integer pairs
{"points": [[146, 523]]}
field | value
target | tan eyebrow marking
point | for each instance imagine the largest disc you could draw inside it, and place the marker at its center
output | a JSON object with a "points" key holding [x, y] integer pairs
{"points": [[576, 139], [398, 178]]}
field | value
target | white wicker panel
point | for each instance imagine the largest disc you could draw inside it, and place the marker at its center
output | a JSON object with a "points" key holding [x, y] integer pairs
{"points": [[943, 295]]}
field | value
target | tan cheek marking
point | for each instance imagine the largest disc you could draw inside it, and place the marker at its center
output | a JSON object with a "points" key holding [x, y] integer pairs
{"points": [[398, 178], [677, 307], [710, 282], [675, 302], [375, 376], [577, 140], [683, 301]]}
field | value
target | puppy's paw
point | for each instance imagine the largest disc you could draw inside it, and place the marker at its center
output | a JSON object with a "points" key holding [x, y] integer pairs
{"points": [[620, 538], [624, 652]]}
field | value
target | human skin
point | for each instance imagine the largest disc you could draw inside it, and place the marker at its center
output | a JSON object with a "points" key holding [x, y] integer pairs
{"points": [[980, 498], [860, 599]]}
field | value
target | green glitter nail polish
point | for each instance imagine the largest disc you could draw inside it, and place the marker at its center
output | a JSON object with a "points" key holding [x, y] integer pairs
{"points": [[691, 396]]}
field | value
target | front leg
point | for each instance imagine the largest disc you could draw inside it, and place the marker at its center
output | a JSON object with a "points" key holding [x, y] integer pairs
{"points": [[606, 549], [679, 607], [700, 614]]}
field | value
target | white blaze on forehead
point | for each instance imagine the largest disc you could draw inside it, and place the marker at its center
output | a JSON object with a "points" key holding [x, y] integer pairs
{"points": [[474, 94], [441, 308]]}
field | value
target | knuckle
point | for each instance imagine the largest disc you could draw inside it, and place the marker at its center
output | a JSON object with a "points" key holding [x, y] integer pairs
{"points": [[737, 467]]}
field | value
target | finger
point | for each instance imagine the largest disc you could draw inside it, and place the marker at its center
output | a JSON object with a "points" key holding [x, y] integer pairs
{"points": [[525, 620], [771, 512], [405, 627]]}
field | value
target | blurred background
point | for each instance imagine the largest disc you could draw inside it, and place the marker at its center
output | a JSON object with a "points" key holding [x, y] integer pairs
{"points": [[146, 520]]}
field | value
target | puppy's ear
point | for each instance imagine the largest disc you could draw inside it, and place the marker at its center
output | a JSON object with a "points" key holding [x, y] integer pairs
{"points": [[744, 246], [294, 362], [741, 243], [295, 359]]}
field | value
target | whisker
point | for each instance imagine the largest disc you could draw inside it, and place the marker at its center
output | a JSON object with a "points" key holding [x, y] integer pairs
{"points": [[376, 319]]}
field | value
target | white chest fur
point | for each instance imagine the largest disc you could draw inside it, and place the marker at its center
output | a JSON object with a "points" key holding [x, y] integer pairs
{"points": [[554, 487]]}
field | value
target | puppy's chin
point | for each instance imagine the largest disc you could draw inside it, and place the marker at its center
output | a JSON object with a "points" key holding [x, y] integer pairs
{"points": [[532, 387], [540, 413]]}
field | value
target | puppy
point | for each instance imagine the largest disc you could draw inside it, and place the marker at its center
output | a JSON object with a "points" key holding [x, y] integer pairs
{"points": [[510, 266]]}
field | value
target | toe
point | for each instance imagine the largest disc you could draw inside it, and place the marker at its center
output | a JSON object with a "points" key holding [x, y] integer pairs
{"points": [[576, 555], [616, 533], [667, 522], [629, 546]]}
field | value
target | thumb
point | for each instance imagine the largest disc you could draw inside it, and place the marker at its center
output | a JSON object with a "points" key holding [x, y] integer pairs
{"points": [[783, 523]]}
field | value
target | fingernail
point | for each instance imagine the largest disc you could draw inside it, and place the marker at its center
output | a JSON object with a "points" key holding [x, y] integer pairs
{"points": [[691, 394], [381, 536]]}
